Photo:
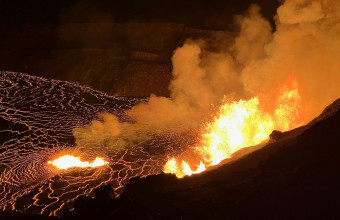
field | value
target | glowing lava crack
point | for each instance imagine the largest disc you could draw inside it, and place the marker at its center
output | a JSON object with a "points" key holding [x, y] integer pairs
{"points": [[68, 161]]}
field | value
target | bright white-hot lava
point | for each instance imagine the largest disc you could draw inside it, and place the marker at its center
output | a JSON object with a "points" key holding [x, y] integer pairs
{"points": [[68, 161], [239, 124]]}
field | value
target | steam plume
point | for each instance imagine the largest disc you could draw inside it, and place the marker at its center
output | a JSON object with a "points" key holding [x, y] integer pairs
{"points": [[305, 46]]}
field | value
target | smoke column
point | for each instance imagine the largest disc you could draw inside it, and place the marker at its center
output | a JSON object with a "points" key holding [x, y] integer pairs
{"points": [[305, 46]]}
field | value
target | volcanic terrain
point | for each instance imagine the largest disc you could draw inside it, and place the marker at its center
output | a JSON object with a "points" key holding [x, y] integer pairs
{"points": [[37, 118], [293, 177]]}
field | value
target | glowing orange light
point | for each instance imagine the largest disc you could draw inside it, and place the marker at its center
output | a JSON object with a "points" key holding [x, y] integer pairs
{"points": [[240, 124], [68, 161]]}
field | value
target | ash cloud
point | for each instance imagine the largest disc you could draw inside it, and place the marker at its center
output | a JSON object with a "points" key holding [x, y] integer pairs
{"points": [[305, 46]]}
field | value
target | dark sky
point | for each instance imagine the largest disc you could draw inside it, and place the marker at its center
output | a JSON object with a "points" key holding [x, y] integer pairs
{"points": [[214, 14]]}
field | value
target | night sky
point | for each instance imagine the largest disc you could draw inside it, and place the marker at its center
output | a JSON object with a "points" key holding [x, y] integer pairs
{"points": [[215, 14]]}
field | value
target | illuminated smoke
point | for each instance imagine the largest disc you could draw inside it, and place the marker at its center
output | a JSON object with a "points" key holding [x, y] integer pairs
{"points": [[305, 47]]}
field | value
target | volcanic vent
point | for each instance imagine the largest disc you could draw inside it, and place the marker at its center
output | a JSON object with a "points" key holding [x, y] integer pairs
{"points": [[221, 101]]}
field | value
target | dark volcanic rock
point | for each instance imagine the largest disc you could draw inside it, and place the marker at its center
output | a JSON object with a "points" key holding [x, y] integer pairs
{"points": [[126, 59], [295, 178], [276, 136]]}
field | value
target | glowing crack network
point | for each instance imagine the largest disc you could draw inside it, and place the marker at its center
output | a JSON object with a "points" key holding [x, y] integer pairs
{"points": [[37, 116]]}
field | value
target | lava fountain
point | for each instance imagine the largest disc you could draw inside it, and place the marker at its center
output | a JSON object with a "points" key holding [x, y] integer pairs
{"points": [[239, 124], [68, 161]]}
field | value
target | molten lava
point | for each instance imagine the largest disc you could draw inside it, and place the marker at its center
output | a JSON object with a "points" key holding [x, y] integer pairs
{"points": [[239, 124], [68, 161]]}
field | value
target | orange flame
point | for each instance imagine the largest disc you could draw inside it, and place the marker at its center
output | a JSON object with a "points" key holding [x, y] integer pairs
{"points": [[240, 124], [68, 161]]}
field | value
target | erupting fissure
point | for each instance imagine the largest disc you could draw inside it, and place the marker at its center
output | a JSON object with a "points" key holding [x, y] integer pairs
{"points": [[68, 161], [238, 124]]}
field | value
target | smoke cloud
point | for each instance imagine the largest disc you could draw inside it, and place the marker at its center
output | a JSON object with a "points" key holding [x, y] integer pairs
{"points": [[305, 46]]}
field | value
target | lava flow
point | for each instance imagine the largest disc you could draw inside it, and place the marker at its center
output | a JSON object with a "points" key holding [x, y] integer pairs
{"points": [[68, 161], [238, 124]]}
